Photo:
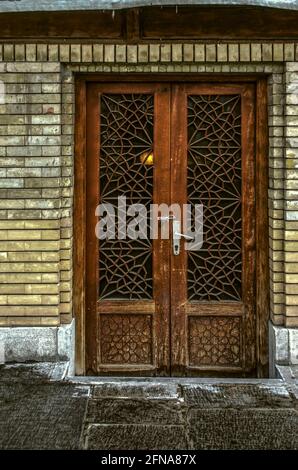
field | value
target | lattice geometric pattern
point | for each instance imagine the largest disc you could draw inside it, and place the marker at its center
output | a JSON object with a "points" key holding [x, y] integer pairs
{"points": [[125, 339], [214, 341], [214, 180], [126, 134]]}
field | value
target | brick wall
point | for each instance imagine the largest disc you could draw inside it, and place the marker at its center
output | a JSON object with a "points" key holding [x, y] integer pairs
{"points": [[36, 163]]}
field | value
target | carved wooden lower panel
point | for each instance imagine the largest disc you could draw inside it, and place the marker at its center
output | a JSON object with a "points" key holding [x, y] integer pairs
{"points": [[214, 341], [126, 339]]}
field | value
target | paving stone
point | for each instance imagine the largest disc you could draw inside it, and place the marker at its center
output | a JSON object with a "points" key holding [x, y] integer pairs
{"points": [[41, 416], [243, 429], [124, 437], [135, 411], [237, 396], [135, 389], [45, 371]]}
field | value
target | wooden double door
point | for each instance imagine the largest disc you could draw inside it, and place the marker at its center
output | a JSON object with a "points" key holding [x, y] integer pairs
{"points": [[151, 310]]}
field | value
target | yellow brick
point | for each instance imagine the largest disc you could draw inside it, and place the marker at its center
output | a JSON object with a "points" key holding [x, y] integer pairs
{"points": [[291, 311], [65, 265], [66, 243], [291, 246], [65, 275], [291, 235], [277, 245], [222, 52], [28, 310], [12, 224], [24, 256], [291, 278], [277, 298], [3, 299], [65, 254], [67, 232], [29, 321], [41, 224], [200, 52], [12, 267], [291, 322], [50, 256], [24, 235], [65, 308], [65, 297], [65, 286], [66, 318], [41, 267], [256, 52], [277, 277], [291, 288], [289, 53], [20, 278], [50, 299], [98, 52], [245, 52], [291, 256], [210, 53], [23, 299], [277, 320], [233, 50], [277, 309], [291, 300], [41, 289], [291, 268], [12, 246], [12, 288], [41, 245], [50, 277], [109, 53], [50, 235]]}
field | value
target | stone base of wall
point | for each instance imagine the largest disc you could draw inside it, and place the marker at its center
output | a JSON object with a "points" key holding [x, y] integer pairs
{"points": [[50, 344], [38, 344], [283, 347]]}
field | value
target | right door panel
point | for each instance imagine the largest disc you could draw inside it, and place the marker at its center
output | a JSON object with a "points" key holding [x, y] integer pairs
{"points": [[213, 320]]}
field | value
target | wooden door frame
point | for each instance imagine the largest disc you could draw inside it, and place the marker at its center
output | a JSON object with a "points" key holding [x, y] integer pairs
{"points": [[262, 228]]}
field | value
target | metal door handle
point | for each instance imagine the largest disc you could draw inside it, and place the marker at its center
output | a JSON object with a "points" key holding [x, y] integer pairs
{"points": [[187, 237], [177, 235]]}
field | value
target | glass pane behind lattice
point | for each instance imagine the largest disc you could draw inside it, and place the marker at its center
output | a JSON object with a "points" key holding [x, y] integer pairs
{"points": [[126, 134], [214, 180]]}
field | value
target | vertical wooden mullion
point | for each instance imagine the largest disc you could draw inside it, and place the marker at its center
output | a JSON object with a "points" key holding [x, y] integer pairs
{"points": [[178, 196], [262, 229], [161, 248], [248, 228], [79, 224], [92, 200]]}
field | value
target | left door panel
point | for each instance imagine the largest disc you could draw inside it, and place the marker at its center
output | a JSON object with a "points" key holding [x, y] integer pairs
{"points": [[127, 279]]}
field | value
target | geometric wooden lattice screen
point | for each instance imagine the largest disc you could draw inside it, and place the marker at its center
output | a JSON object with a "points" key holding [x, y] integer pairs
{"points": [[214, 180], [126, 133]]}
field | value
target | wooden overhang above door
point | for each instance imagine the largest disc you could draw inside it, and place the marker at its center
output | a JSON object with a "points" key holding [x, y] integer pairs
{"points": [[185, 22]]}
